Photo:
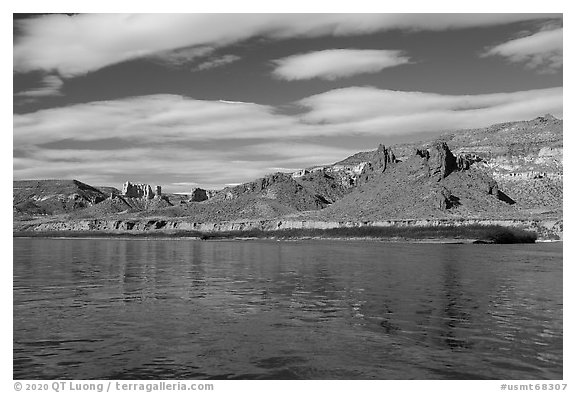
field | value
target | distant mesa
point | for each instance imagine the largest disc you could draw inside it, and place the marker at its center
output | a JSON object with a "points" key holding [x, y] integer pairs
{"points": [[140, 190]]}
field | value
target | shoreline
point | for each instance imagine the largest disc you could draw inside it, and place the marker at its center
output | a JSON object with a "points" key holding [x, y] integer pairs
{"points": [[239, 238], [432, 234], [467, 241], [401, 228], [243, 238]]}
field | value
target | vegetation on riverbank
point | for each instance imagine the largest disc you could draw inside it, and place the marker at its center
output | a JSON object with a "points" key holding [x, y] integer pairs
{"points": [[483, 233]]}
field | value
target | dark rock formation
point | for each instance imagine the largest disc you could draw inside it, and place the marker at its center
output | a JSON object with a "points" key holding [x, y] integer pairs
{"points": [[441, 161], [383, 157], [423, 153], [380, 161], [199, 194]]}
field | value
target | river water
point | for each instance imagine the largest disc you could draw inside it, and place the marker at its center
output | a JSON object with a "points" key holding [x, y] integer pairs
{"points": [[185, 309]]}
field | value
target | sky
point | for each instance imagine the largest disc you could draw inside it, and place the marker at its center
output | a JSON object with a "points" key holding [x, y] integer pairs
{"points": [[209, 100]]}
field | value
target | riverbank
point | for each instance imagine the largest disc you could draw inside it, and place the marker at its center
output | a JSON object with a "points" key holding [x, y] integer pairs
{"points": [[434, 228], [442, 234]]}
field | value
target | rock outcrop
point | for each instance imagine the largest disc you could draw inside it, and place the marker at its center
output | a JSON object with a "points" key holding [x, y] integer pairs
{"points": [[441, 162], [525, 157], [383, 157], [465, 161], [199, 194], [140, 190]]}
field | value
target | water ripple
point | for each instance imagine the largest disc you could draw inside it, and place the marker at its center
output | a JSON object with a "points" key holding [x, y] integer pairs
{"points": [[180, 309]]}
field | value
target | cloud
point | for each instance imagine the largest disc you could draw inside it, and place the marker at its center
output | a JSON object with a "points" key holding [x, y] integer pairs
{"points": [[217, 62], [181, 57], [541, 51], [389, 112], [79, 44], [51, 85], [177, 168], [155, 118], [173, 139], [337, 63]]}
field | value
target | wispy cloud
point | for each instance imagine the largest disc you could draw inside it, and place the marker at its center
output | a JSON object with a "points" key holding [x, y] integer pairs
{"points": [[217, 62], [159, 118], [79, 44], [181, 57], [388, 112], [51, 85], [337, 63], [178, 168], [541, 51], [183, 140]]}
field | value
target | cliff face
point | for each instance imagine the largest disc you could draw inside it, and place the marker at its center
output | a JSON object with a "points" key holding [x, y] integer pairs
{"points": [[140, 190], [430, 183], [377, 164], [524, 158]]}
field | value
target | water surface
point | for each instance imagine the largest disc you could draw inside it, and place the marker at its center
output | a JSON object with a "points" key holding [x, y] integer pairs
{"points": [[183, 309]]}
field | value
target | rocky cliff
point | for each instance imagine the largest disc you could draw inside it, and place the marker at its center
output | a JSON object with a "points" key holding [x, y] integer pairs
{"points": [[432, 182], [140, 190], [524, 157]]}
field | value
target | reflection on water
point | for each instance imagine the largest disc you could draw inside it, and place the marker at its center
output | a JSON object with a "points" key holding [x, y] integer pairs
{"points": [[181, 309]]}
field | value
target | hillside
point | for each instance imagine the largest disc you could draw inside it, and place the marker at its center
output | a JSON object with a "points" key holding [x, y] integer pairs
{"points": [[49, 197], [424, 186], [510, 170], [524, 157]]}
